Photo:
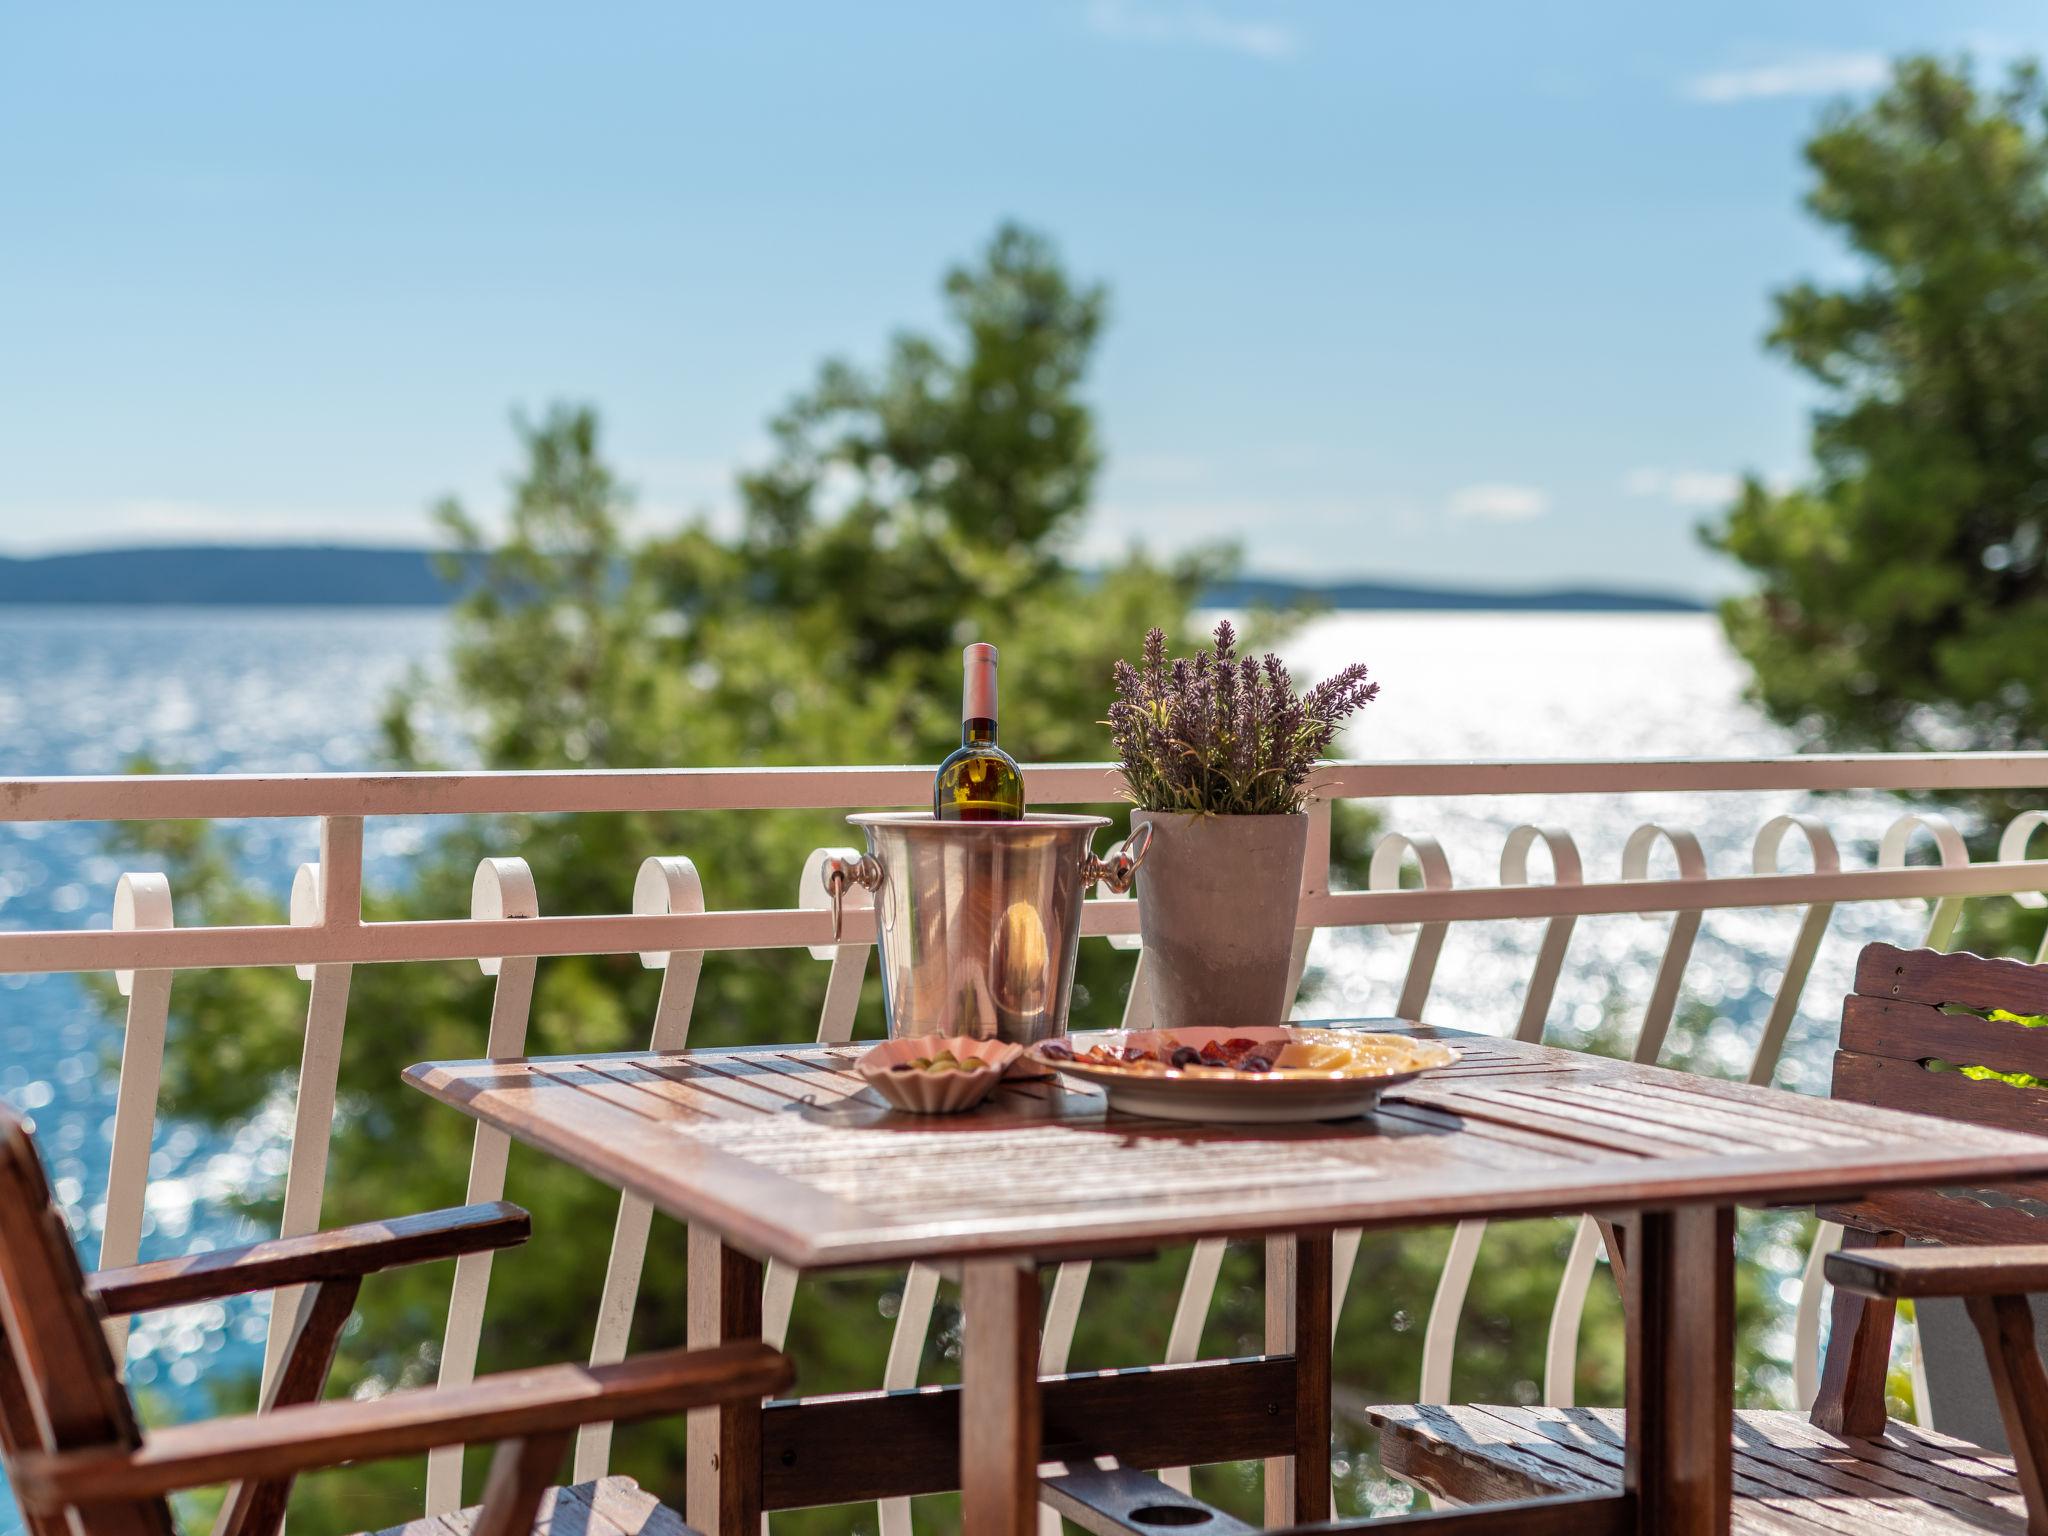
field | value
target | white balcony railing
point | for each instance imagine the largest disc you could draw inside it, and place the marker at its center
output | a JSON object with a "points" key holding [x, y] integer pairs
{"points": [[671, 927]]}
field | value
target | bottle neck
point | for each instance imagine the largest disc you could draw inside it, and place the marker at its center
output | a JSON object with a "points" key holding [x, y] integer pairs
{"points": [[978, 693], [980, 731]]}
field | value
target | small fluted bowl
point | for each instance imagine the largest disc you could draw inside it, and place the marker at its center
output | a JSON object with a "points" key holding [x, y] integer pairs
{"points": [[936, 1093]]}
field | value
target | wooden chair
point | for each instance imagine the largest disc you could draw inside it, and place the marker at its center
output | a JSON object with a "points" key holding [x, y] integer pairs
{"points": [[79, 1462], [1847, 1467]]}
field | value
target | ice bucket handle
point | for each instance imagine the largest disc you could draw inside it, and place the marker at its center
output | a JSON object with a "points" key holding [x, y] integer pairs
{"points": [[841, 872], [1121, 867]]}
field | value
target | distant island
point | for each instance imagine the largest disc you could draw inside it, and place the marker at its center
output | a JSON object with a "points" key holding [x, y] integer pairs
{"points": [[322, 575]]}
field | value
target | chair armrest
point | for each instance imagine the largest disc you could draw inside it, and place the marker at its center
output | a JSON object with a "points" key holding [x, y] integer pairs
{"points": [[286, 1441], [1899, 1274], [340, 1254]]}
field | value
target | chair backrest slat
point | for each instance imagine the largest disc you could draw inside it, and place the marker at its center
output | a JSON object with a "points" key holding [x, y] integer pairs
{"points": [[1960, 980], [64, 1393], [1916, 1018]]}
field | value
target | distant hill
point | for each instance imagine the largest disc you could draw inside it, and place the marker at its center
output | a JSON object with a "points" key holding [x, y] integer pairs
{"points": [[295, 575], [321, 575], [1253, 591]]}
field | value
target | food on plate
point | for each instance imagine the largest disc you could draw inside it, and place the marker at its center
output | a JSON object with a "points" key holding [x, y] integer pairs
{"points": [[1236, 1055], [1296, 1053]]}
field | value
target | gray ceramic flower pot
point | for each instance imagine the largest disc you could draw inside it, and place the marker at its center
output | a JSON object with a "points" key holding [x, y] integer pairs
{"points": [[1216, 902]]}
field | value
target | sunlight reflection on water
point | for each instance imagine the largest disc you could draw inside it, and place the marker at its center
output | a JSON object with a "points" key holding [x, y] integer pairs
{"points": [[1569, 686]]}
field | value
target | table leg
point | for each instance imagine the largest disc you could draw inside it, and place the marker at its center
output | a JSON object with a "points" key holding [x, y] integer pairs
{"points": [[1298, 1323], [723, 1484], [1681, 1369], [999, 1411]]}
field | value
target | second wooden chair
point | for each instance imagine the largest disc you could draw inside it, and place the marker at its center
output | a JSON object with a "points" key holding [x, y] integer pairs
{"points": [[1915, 1017]]}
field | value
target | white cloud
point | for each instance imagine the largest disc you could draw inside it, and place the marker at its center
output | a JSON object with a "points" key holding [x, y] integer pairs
{"points": [[1136, 21], [1813, 74], [1684, 487], [1496, 503]]}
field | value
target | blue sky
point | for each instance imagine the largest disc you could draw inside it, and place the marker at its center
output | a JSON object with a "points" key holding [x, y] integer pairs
{"points": [[1469, 292]]}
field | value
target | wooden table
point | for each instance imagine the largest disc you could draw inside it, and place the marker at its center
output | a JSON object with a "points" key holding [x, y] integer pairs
{"points": [[780, 1153]]}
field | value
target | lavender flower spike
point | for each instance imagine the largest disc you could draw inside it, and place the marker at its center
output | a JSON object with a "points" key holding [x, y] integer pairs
{"points": [[1218, 734]]}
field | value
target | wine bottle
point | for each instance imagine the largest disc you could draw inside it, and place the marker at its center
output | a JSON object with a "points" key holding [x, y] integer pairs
{"points": [[979, 782]]}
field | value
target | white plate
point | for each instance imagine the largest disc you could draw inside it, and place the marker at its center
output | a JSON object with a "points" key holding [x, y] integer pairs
{"points": [[1224, 1097]]}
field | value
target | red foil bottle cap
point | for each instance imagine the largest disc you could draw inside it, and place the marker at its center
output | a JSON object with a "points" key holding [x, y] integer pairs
{"points": [[978, 698]]}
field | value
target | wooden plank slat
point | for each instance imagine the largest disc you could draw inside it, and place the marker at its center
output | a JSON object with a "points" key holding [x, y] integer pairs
{"points": [[1920, 1456], [325, 1434], [1777, 1491], [821, 1450], [1961, 980], [1597, 1443], [697, 1088], [632, 1152], [1800, 1114], [1883, 1497], [1761, 1126], [1915, 1272], [1961, 1213], [1429, 1117], [1888, 1083], [1507, 1106], [1790, 1478], [1442, 1451], [814, 1079], [343, 1252], [1776, 1495], [1710, 1124], [1489, 1452], [1875, 1026]]}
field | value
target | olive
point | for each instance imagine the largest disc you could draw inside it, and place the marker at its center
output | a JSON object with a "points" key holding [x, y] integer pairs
{"points": [[1185, 1056]]}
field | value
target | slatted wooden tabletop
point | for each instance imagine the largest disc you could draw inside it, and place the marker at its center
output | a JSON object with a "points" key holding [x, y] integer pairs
{"points": [[785, 1152]]}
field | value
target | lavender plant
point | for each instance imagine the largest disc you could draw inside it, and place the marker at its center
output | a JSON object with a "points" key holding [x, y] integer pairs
{"points": [[1220, 734]]}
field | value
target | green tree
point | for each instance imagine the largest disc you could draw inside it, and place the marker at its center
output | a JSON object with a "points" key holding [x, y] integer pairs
{"points": [[1901, 601]]}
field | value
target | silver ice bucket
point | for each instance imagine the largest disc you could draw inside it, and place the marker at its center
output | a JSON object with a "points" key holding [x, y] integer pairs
{"points": [[979, 920]]}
